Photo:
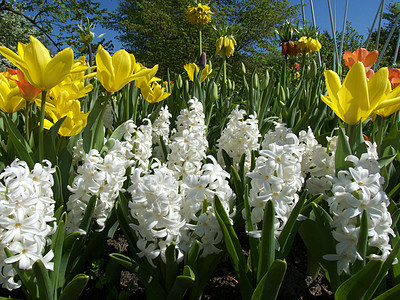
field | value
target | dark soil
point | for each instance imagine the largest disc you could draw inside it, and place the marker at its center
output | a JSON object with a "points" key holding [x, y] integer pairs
{"points": [[121, 284]]}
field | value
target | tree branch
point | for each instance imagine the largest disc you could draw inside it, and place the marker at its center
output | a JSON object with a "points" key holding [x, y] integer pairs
{"points": [[33, 21]]}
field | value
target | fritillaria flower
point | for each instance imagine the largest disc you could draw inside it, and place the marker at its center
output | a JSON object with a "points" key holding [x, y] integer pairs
{"points": [[198, 15], [308, 45], [225, 45]]}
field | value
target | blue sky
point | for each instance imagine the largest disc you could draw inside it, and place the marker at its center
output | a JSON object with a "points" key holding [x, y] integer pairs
{"points": [[360, 13]]}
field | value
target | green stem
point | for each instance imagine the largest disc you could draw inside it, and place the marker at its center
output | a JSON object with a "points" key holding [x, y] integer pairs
{"points": [[200, 43], [41, 124], [27, 121], [223, 77], [379, 136]]}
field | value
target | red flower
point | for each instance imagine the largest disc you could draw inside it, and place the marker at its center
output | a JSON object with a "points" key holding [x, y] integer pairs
{"points": [[27, 90]]}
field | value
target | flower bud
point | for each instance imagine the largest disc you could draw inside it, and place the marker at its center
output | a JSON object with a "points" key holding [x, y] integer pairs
{"points": [[202, 61], [265, 82], [214, 92], [243, 68], [255, 81], [179, 82]]}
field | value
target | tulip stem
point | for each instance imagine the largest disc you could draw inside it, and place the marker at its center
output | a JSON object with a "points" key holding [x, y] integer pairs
{"points": [[27, 121], [41, 124]]}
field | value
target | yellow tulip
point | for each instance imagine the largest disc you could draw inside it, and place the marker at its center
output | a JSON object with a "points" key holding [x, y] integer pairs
{"points": [[116, 71], [192, 70], [75, 119], [39, 68], [388, 110], [154, 92], [145, 80], [10, 96], [358, 98]]}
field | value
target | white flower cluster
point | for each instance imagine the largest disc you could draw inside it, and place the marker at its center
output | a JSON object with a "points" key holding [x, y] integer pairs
{"points": [[103, 177], [161, 129], [167, 210], [317, 163], [277, 176], [354, 190], [239, 137], [174, 202], [188, 145], [26, 218]]}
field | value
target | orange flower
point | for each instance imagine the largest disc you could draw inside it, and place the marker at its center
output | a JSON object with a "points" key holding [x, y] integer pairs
{"points": [[289, 48], [362, 55], [27, 90], [394, 77]]}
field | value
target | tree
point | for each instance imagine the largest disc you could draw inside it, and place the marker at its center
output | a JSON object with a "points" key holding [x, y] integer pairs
{"points": [[56, 20], [14, 29], [157, 31]]}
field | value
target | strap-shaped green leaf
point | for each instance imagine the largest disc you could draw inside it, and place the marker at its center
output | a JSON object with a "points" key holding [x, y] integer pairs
{"points": [[268, 287], [171, 266], [383, 271], [267, 244], [362, 243], [43, 281], [181, 284], [74, 288], [57, 247], [20, 144], [391, 294], [342, 151], [357, 285], [154, 289], [290, 229]]}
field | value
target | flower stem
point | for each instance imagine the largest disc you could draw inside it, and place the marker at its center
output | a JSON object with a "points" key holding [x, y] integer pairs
{"points": [[200, 43], [41, 124], [27, 121]]}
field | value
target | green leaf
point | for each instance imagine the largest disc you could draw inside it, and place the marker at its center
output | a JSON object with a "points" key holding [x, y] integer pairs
{"points": [[181, 284], [21, 146], [171, 266], [57, 247], [93, 136], [362, 242], [289, 231], [267, 244], [391, 294], [342, 151], [268, 287], [316, 233], [43, 281], [74, 288], [357, 285], [154, 289]]}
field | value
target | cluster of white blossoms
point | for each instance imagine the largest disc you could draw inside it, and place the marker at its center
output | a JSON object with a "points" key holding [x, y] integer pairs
{"points": [[318, 162], [161, 130], [188, 144], [354, 190], [173, 202], [239, 137], [277, 176], [167, 210], [103, 177], [26, 218]]}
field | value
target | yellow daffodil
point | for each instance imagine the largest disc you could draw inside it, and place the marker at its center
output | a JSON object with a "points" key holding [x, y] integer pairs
{"points": [[198, 15], [39, 68], [358, 98], [225, 45], [10, 96], [193, 70], [116, 71], [154, 92]]}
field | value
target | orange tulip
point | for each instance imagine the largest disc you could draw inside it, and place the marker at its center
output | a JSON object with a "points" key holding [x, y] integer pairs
{"points": [[362, 55], [394, 77], [27, 90]]}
